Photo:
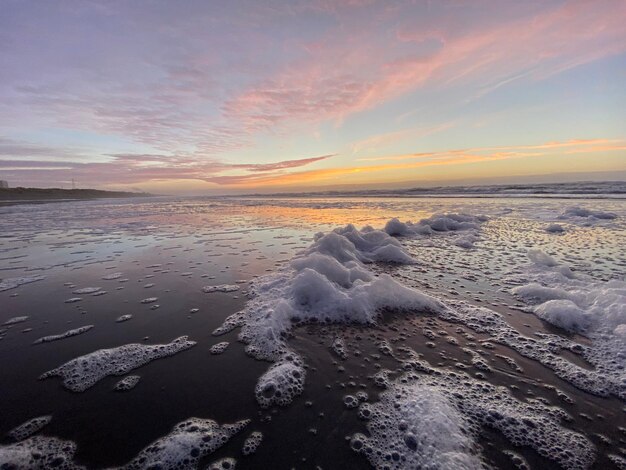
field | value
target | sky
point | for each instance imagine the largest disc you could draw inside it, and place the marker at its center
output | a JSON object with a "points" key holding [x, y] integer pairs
{"points": [[209, 97]]}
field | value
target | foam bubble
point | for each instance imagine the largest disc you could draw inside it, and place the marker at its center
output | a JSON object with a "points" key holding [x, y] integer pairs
{"points": [[29, 428], [188, 443], [619, 461], [540, 258], [555, 228], [15, 320], [39, 452], [227, 463], [477, 360], [12, 283], [581, 304], [577, 212], [112, 276], [517, 460], [565, 314], [127, 383], [220, 288], [466, 241], [67, 334], [328, 282], [366, 245], [339, 348], [280, 383], [83, 372], [381, 378], [219, 348], [435, 223], [350, 401], [433, 419], [385, 348], [605, 379], [416, 427], [252, 443], [86, 290]]}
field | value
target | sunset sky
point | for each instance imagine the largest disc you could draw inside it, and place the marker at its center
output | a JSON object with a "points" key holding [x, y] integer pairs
{"points": [[232, 96]]}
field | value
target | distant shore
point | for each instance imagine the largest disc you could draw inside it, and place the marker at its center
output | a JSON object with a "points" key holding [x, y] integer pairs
{"points": [[41, 195]]}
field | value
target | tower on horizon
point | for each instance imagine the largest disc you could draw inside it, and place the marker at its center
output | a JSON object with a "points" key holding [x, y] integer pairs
{"points": [[4, 184]]}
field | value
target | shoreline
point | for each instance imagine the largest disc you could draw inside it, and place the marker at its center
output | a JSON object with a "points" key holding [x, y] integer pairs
{"points": [[13, 196]]}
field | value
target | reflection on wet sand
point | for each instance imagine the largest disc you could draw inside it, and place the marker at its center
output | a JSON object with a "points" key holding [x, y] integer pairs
{"points": [[199, 260]]}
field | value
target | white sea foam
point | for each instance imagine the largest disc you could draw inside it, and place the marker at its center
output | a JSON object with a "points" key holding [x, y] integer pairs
{"points": [[112, 276], [39, 453], [183, 448], [331, 282], [595, 306], [577, 212], [366, 245], [67, 334], [565, 314], [431, 420], [220, 288], [541, 258], [467, 225], [339, 348], [29, 428], [281, 382], [127, 383], [186, 445], [555, 228], [83, 372], [605, 379], [466, 240], [252, 443], [12, 283], [579, 303], [416, 427], [86, 290], [328, 282], [219, 348], [227, 463], [15, 320], [435, 223]]}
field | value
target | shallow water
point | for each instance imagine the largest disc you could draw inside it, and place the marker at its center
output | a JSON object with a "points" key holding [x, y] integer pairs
{"points": [[172, 248]]}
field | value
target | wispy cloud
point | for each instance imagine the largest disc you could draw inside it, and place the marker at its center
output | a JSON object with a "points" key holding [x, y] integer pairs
{"points": [[133, 168], [568, 147], [338, 79], [263, 167], [169, 99], [398, 163], [380, 140], [193, 85]]}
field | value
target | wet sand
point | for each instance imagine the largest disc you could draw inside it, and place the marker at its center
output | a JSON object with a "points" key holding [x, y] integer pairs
{"points": [[172, 249]]}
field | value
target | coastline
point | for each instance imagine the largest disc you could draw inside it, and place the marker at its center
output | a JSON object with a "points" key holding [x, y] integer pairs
{"points": [[13, 196]]}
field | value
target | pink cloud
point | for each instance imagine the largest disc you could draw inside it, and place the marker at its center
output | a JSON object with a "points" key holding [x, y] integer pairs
{"points": [[135, 168], [263, 167], [350, 72], [213, 77]]}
